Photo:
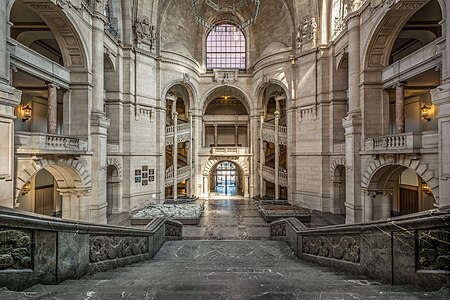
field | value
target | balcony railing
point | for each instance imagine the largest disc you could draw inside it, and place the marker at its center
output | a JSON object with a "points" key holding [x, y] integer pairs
{"points": [[269, 175], [405, 142], [36, 142], [183, 133], [229, 151], [183, 173], [269, 133]]}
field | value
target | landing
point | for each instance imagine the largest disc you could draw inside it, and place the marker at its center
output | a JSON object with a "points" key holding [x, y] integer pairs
{"points": [[225, 270]]}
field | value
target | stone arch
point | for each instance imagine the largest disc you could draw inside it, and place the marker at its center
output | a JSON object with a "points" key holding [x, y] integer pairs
{"points": [[265, 83], [374, 173], [392, 20], [239, 161], [112, 161], [187, 84], [334, 165], [68, 172], [59, 19], [219, 91]]}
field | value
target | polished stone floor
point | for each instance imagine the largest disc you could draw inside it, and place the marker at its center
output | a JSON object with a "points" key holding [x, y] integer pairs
{"points": [[212, 269], [228, 218]]}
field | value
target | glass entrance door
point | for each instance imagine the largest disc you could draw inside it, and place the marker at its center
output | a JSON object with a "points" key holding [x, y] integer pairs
{"points": [[226, 179]]}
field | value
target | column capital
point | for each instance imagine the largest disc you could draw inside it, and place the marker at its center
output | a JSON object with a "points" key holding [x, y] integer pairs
{"points": [[399, 85], [52, 85]]}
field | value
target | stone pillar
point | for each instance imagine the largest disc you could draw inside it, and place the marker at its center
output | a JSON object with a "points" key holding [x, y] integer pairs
{"points": [[98, 32], [354, 58], [197, 144], [4, 34], [446, 54], [246, 186], [386, 204], [261, 156], [67, 115], [399, 108], [236, 136], [52, 109], [175, 156], [368, 205], [277, 157], [191, 162], [215, 135]]}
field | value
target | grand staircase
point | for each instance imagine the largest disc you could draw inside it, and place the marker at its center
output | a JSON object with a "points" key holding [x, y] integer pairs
{"points": [[224, 270]]}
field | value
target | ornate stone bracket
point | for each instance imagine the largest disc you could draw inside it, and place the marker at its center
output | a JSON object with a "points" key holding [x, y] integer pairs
{"points": [[145, 33]]}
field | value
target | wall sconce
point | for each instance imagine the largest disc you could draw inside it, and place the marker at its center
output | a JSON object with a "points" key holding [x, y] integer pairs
{"points": [[26, 189], [426, 189], [292, 59], [26, 113], [426, 112]]}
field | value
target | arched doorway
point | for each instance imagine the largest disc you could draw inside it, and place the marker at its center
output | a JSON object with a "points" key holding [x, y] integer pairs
{"points": [[226, 179], [396, 190], [40, 195]]}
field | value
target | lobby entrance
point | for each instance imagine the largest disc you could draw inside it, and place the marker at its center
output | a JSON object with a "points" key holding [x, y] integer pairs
{"points": [[226, 179]]}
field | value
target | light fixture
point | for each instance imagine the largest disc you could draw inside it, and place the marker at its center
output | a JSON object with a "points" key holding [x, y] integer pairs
{"points": [[426, 189], [26, 189], [225, 97], [426, 112], [26, 113], [204, 9]]}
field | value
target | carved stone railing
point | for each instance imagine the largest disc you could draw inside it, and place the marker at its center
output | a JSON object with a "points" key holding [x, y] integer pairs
{"points": [[269, 133], [405, 142], [42, 143], [269, 175], [33, 247], [183, 133], [410, 249], [229, 151], [183, 173]]}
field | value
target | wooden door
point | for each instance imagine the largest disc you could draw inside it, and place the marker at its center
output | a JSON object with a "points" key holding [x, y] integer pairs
{"points": [[44, 201], [409, 201]]}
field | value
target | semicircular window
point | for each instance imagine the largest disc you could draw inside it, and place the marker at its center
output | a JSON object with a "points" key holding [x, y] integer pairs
{"points": [[225, 48]]}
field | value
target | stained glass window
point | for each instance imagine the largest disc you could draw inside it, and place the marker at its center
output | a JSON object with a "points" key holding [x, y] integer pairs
{"points": [[225, 48]]}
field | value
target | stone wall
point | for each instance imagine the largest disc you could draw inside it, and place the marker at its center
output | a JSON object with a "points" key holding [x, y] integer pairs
{"points": [[38, 250], [405, 250]]}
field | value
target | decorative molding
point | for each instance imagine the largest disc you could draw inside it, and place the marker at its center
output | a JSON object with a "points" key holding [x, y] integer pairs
{"points": [[309, 111], [145, 33], [345, 248], [307, 32], [225, 76]]}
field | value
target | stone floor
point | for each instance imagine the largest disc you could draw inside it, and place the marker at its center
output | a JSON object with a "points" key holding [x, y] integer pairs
{"points": [[223, 270], [228, 218]]}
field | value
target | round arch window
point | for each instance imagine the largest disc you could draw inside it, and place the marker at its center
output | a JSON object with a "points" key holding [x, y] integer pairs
{"points": [[225, 48]]}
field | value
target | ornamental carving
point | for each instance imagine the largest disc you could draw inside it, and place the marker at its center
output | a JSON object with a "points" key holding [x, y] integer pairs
{"points": [[278, 229], [434, 250], [103, 248], [15, 249], [173, 229], [145, 32], [345, 248], [307, 32]]}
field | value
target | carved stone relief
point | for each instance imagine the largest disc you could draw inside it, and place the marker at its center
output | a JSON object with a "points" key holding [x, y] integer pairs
{"points": [[15, 249], [173, 229], [103, 248], [145, 32], [278, 229], [307, 32], [338, 247], [434, 250]]}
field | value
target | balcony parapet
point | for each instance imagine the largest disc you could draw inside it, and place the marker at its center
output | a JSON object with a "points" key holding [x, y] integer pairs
{"points": [[228, 151], [183, 133], [269, 175], [269, 133], [411, 142], [43, 143], [183, 173]]}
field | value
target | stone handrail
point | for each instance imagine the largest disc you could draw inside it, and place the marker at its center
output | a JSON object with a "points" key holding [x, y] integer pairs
{"points": [[229, 151], [269, 175], [411, 249], [33, 245], [269, 133], [183, 173], [406, 141], [183, 133], [36, 142]]}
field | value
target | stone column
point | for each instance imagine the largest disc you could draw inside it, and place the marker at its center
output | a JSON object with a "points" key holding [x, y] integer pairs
{"points": [[190, 149], [368, 205], [98, 32], [246, 186], [400, 108], [215, 135], [175, 156], [261, 156], [277, 157], [52, 109], [236, 137], [67, 115], [4, 34], [354, 58]]}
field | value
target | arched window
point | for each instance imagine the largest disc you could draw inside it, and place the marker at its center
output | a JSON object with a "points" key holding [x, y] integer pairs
{"points": [[225, 48]]}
